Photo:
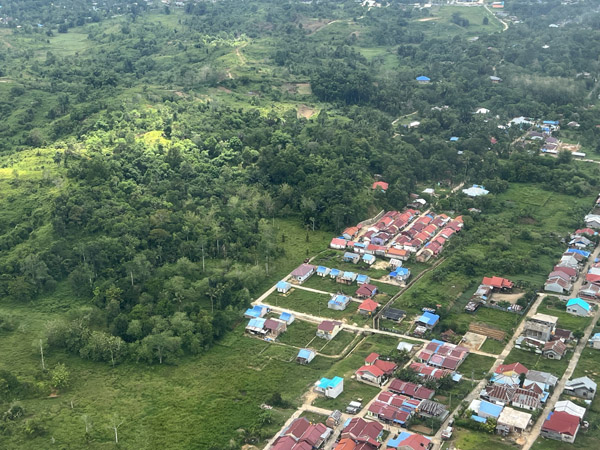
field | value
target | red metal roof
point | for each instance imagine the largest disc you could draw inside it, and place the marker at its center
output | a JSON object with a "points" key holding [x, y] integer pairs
{"points": [[497, 282], [371, 358], [562, 422]]}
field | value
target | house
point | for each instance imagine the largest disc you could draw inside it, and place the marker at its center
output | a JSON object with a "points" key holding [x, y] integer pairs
{"points": [[400, 274], [380, 185], [350, 233], [560, 426], [498, 394], [570, 408], [364, 433], [443, 354], [571, 272], [392, 408], [375, 370], [338, 243], [346, 277], [362, 279], [429, 408], [592, 221], [411, 389], [323, 271], [561, 333], [286, 317], [330, 387], [582, 387], [303, 272], [594, 341], [405, 347], [395, 263], [554, 349], [302, 435], [283, 287], [558, 285], [544, 380], [423, 79], [512, 421], [256, 326], [334, 419], [338, 302], [328, 329], [485, 409], [408, 441], [498, 283], [366, 291], [578, 307], [305, 355], [274, 328], [428, 320], [394, 314], [528, 398], [540, 326], [475, 191], [368, 307], [334, 273], [346, 444], [398, 253], [368, 259], [354, 258], [562, 275], [580, 242], [256, 311], [511, 369]]}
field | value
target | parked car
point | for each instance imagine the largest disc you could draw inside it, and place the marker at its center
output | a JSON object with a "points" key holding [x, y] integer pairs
{"points": [[447, 433]]}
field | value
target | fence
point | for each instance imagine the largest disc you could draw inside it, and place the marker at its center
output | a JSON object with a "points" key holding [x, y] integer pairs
{"points": [[372, 220]]}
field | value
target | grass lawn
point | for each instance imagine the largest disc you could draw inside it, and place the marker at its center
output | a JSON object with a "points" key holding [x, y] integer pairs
{"points": [[454, 396], [477, 365], [474, 440], [538, 362], [353, 390], [334, 260], [493, 346], [329, 285], [314, 417], [313, 303], [337, 345], [565, 320], [299, 333], [501, 320]]}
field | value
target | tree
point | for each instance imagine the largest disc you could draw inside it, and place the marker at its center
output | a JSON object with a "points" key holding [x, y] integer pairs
{"points": [[115, 424], [160, 346], [486, 20], [60, 376]]}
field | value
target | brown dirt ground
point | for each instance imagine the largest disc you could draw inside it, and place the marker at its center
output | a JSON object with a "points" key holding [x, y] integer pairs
{"points": [[511, 298], [306, 111], [314, 25], [472, 340]]}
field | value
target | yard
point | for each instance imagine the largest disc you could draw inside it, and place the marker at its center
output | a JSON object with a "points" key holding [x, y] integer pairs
{"points": [[476, 366], [464, 439], [555, 307], [534, 361]]}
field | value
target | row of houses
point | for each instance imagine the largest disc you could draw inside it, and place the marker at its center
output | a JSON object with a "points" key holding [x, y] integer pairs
{"points": [[541, 335], [341, 276], [566, 271], [391, 407], [302, 435], [484, 292], [443, 355], [268, 329], [566, 418]]}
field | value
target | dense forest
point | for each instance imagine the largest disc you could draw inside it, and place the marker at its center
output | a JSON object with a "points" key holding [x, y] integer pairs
{"points": [[168, 142]]}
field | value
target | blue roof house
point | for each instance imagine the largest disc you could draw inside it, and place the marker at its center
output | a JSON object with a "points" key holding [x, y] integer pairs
{"points": [[256, 326], [487, 409], [395, 443], [362, 279], [286, 317], [256, 311], [453, 139], [351, 257], [322, 271], [369, 259], [578, 307], [594, 341], [400, 274], [283, 287], [334, 273], [338, 303], [347, 277], [423, 79], [305, 355], [330, 387], [428, 319]]}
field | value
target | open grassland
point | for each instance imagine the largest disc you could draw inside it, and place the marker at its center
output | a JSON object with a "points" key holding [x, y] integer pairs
{"points": [[534, 361], [476, 366], [474, 440]]}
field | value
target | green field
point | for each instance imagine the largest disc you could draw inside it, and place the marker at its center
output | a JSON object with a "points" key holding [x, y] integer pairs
{"points": [[476, 366], [534, 361]]}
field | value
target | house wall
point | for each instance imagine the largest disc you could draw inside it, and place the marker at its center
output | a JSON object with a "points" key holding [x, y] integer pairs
{"points": [[577, 310], [334, 392], [554, 287], [557, 436]]}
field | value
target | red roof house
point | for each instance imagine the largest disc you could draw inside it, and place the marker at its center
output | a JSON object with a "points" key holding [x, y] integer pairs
{"points": [[368, 307], [517, 368], [561, 425], [366, 290], [497, 282], [380, 185]]}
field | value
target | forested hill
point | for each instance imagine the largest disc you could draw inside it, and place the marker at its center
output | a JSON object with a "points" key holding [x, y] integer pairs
{"points": [[151, 153]]}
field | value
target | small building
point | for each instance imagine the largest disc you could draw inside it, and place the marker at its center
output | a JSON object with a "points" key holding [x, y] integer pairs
{"points": [[346, 277], [334, 419], [582, 387], [305, 356], [274, 328], [283, 287], [594, 341], [560, 426], [330, 387], [400, 274], [328, 329], [380, 185], [338, 243], [512, 421], [428, 320], [554, 350], [362, 279], [544, 380], [485, 409], [338, 303], [256, 311], [303, 272], [475, 191], [366, 291], [334, 273], [368, 259], [570, 407], [395, 263], [557, 285], [498, 283], [423, 79], [578, 307], [405, 347], [354, 258], [323, 271], [393, 314], [368, 307], [256, 326], [286, 317]]}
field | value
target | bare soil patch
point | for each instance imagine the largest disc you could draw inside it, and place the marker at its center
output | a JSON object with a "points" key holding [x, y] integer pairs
{"points": [[488, 331], [569, 147], [510, 298], [315, 25], [472, 340], [306, 111]]}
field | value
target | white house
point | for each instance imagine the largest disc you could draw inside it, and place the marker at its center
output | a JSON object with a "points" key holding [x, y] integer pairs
{"points": [[578, 307], [330, 387]]}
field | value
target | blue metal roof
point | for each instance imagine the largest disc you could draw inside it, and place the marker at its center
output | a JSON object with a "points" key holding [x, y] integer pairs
{"points": [[429, 319], [402, 270], [349, 274], [368, 257], [423, 78], [454, 139], [334, 272], [256, 311], [478, 419], [350, 255], [581, 252], [490, 409], [283, 285], [321, 269], [359, 245], [579, 302], [305, 353], [327, 383], [286, 316], [361, 278], [258, 322]]}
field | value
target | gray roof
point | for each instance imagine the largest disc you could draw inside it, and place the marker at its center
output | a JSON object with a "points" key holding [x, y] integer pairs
{"points": [[580, 382], [542, 377]]}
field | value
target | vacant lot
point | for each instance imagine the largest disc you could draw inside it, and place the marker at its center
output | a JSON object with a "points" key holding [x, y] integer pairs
{"points": [[476, 366]]}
